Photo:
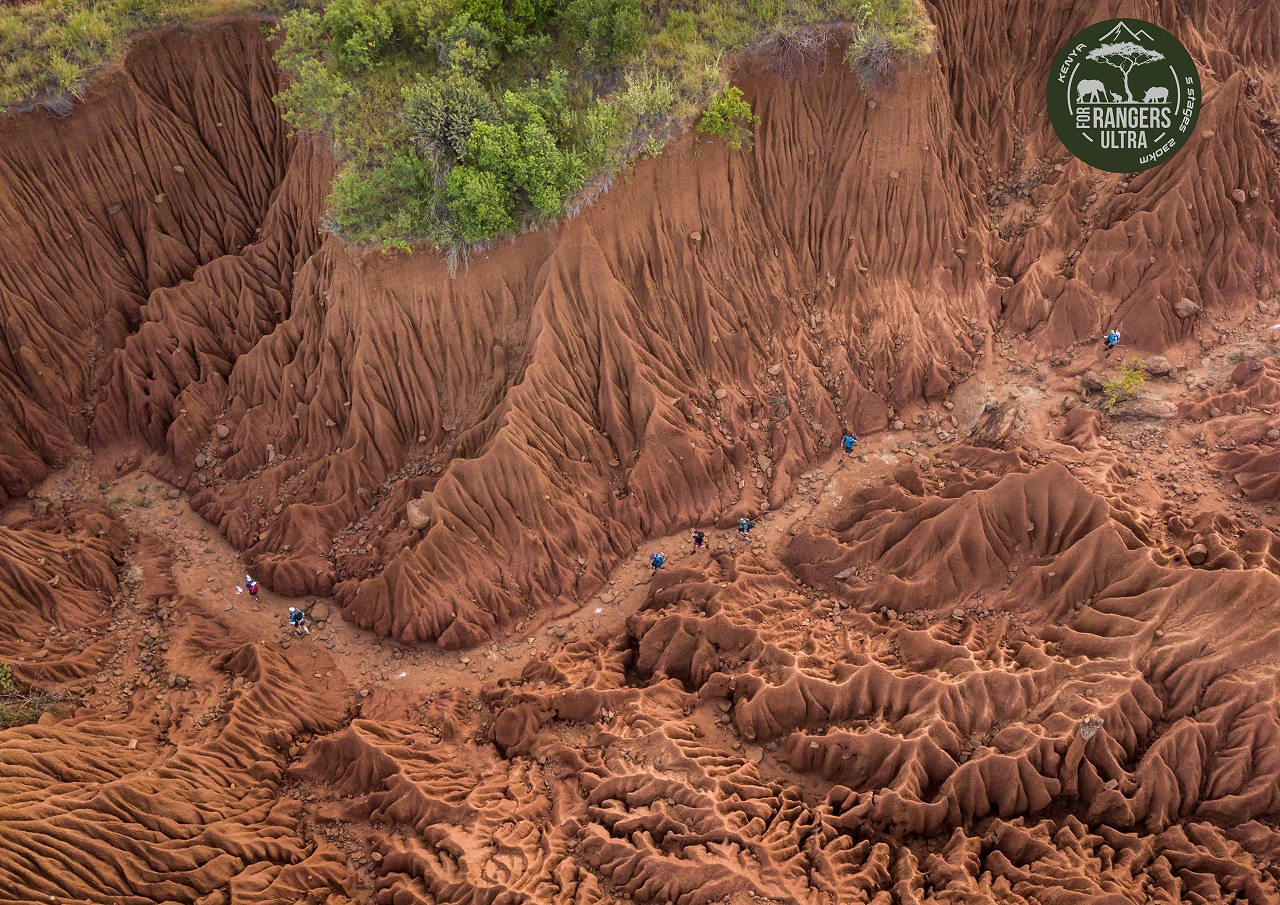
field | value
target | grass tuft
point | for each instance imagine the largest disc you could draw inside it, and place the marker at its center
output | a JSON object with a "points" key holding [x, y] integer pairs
{"points": [[49, 48]]}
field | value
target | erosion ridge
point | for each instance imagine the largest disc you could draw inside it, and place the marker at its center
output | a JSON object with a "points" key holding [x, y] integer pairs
{"points": [[996, 655]]}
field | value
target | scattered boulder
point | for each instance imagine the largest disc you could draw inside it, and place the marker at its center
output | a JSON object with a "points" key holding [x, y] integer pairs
{"points": [[418, 513], [1090, 726], [1197, 554], [1158, 366], [222, 431], [1143, 409], [1184, 308], [1091, 382], [1239, 196]]}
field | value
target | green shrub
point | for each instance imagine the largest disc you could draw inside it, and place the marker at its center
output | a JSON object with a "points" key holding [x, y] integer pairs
{"points": [[648, 97], [392, 200], [606, 30], [509, 19], [454, 120], [314, 97], [441, 113], [1132, 377], [468, 46], [729, 117], [360, 31], [478, 203]]}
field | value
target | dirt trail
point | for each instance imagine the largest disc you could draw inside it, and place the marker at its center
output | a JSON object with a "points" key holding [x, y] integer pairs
{"points": [[208, 571]]}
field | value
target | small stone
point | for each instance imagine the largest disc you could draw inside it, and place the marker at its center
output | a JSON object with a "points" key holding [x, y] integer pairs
{"points": [[1158, 366], [222, 431], [1239, 196], [1197, 554], [775, 370], [159, 198], [1090, 725], [1273, 435], [721, 393], [957, 614]]}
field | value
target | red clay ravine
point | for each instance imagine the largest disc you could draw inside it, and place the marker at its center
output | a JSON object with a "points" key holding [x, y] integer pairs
{"points": [[1022, 644]]}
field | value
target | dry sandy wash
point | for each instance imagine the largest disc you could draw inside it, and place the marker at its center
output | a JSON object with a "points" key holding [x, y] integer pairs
{"points": [[1014, 650]]}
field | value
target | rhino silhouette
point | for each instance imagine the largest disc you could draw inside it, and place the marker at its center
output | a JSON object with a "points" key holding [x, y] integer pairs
{"points": [[1091, 89], [1156, 95]]}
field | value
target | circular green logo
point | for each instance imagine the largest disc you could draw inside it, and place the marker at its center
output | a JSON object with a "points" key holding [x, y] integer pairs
{"points": [[1123, 95]]}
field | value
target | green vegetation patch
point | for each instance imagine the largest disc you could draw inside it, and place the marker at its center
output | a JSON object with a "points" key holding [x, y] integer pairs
{"points": [[50, 48], [20, 706], [456, 121], [1133, 376]]}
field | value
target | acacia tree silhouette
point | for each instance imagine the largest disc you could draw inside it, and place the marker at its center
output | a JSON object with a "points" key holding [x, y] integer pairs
{"points": [[1125, 56]]}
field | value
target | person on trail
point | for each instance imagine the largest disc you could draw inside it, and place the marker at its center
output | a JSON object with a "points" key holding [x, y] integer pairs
{"points": [[251, 586], [1112, 339], [699, 540], [298, 620], [745, 525], [850, 441], [657, 560]]}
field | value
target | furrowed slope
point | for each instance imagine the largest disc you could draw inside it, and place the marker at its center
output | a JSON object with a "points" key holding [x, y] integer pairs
{"points": [[448, 454]]}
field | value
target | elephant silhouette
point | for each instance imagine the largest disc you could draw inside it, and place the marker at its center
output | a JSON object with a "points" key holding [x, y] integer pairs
{"points": [[1156, 95], [1092, 89]]}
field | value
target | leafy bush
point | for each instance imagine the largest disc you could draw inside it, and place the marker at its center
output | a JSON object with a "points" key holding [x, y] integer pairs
{"points": [[454, 120], [395, 199], [729, 117], [478, 202], [607, 30], [468, 46], [360, 31], [1132, 377], [442, 113], [314, 98]]}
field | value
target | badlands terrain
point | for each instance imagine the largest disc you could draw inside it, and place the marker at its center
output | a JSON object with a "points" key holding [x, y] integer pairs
{"points": [[1022, 646]]}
